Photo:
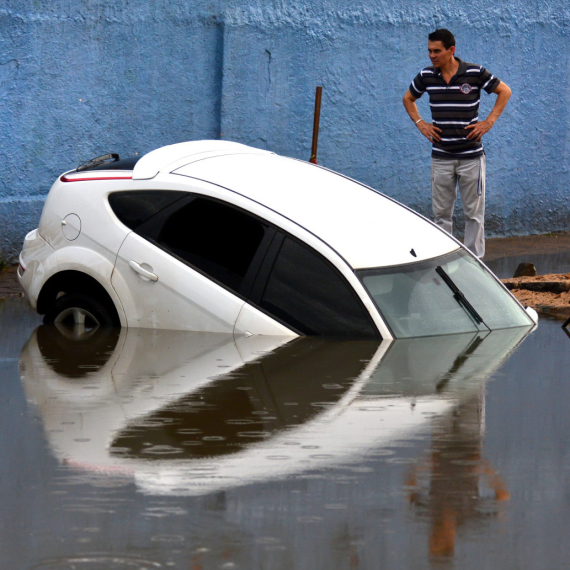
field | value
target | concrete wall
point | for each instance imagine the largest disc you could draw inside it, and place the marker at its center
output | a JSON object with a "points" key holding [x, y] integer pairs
{"points": [[81, 78]]}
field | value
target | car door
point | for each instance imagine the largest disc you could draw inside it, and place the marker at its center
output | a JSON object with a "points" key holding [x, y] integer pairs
{"points": [[187, 266]]}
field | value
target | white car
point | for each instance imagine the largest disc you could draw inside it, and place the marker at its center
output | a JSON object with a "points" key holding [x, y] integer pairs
{"points": [[216, 236]]}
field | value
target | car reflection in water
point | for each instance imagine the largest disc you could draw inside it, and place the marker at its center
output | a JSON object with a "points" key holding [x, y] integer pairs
{"points": [[184, 413]]}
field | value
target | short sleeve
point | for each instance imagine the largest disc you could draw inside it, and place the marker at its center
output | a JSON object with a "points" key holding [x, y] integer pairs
{"points": [[488, 81], [417, 86]]}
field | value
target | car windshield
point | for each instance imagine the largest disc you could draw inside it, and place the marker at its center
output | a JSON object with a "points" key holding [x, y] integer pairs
{"points": [[454, 293]]}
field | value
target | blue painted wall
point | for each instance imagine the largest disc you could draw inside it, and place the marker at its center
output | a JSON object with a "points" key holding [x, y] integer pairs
{"points": [[81, 78]]}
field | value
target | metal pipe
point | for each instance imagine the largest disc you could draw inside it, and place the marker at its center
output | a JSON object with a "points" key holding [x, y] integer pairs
{"points": [[318, 96]]}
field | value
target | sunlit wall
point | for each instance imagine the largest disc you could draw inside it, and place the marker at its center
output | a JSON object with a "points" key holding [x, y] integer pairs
{"points": [[82, 78]]}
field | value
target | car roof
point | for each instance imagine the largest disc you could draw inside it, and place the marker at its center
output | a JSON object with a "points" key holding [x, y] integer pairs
{"points": [[365, 227], [168, 158]]}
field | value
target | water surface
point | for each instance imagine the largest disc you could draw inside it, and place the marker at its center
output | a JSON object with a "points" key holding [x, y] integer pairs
{"points": [[505, 267], [160, 449]]}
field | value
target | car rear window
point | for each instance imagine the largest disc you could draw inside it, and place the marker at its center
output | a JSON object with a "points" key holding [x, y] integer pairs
{"points": [[220, 240], [124, 164], [135, 207]]}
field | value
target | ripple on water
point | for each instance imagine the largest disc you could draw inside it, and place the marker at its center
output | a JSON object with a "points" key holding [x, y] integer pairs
{"points": [[263, 540], [309, 519], [401, 460], [97, 562], [164, 511], [161, 450], [253, 434], [168, 538]]}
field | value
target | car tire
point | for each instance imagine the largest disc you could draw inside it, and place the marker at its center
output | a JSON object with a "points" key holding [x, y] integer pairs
{"points": [[78, 314]]}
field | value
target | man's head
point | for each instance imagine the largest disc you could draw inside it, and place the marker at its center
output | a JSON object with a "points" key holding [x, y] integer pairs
{"points": [[441, 47]]}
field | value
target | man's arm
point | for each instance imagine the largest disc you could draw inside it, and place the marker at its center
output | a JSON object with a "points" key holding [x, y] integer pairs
{"points": [[503, 93], [427, 129]]}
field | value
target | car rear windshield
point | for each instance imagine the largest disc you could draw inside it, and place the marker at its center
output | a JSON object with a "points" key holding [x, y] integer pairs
{"points": [[454, 293], [123, 164]]}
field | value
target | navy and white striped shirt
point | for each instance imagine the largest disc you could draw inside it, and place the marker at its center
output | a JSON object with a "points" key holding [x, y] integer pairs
{"points": [[454, 105]]}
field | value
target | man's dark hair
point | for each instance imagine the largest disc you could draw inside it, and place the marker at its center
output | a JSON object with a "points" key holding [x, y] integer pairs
{"points": [[444, 36]]}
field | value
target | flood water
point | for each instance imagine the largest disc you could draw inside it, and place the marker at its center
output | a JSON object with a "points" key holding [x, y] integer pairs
{"points": [[505, 267], [157, 449]]}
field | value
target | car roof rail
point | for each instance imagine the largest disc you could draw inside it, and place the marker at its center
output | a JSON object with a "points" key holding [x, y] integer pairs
{"points": [[110, 157]]}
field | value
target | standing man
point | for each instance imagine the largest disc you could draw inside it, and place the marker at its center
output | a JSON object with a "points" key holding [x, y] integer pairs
{"points": [[458, 159]]}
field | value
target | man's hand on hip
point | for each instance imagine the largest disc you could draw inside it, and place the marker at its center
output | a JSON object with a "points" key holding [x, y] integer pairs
{"points": [[429, 131], [478, 130]]}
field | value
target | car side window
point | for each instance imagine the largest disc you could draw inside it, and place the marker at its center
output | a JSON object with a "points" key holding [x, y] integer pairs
{"points": [[218, 239], [135, 207], [306, 292]]}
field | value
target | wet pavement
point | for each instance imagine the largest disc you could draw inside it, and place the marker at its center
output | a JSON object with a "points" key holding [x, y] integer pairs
{"points": [[159, 449], [9, 286]]}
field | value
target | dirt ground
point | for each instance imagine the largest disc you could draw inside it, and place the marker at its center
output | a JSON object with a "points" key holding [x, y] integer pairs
{"points": [[557, 305], [555, 302], [9, 286], [549, 294]]}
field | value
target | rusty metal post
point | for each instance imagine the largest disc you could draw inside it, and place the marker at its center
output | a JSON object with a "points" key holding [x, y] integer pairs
{"points": [[318, 96]]}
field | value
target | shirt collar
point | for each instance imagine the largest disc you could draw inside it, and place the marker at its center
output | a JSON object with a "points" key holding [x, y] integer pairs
{"points": [[462, 67], [460, 70]]}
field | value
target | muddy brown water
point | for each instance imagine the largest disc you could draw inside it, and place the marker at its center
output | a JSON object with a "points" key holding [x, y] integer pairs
{"points": [[159, 449]]}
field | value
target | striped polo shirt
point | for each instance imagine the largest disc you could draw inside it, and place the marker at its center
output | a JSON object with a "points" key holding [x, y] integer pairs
{"points": [[454, 105]]}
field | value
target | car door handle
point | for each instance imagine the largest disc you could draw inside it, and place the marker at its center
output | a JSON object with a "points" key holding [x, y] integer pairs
{"points": [[137, 267]]}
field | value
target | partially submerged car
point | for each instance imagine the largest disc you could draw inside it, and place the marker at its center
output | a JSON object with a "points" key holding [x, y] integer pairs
{"points": [[217, 236]]}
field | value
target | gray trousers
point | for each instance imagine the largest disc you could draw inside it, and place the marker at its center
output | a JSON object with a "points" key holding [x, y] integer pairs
{"points": [[469, 175]]}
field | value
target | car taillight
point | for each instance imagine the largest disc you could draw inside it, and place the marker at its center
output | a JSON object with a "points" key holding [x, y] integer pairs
{"points": [[65, 178]]}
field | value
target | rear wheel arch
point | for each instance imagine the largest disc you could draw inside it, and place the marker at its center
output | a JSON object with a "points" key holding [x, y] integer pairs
{"points": [[75, 282]]}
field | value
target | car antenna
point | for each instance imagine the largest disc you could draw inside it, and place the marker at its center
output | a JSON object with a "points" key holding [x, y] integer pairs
{"points": [[316, 121]]}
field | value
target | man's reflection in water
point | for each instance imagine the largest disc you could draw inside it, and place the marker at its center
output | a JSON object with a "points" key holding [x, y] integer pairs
{"points": [[454, 485]]}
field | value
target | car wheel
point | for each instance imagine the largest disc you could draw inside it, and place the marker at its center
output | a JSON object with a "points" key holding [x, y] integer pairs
{"points": [[76, 315]]}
